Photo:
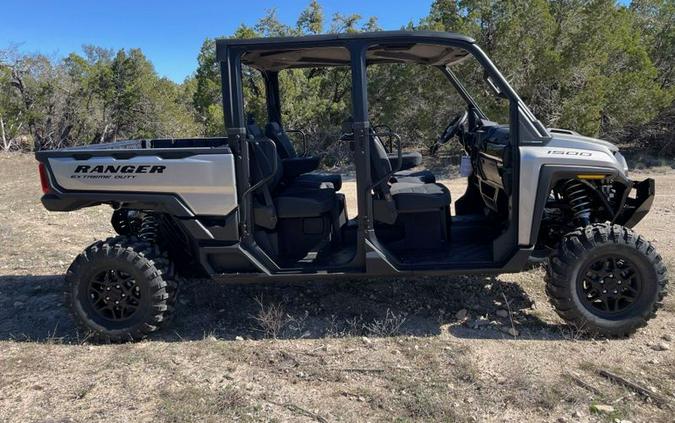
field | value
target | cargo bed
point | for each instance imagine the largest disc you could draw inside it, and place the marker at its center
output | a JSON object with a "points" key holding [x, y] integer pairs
{"points": [[191, 176], [143, 144]]}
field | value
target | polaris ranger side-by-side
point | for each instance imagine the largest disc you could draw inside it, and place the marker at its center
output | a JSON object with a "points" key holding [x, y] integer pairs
{"points": [[248, 206]]}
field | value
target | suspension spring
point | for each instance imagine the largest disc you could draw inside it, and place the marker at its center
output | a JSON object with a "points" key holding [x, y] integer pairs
{"points": [[149, 228], [580, 202]]}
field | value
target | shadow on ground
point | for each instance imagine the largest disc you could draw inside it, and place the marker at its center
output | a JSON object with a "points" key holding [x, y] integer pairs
{"points": [[31, 309]]}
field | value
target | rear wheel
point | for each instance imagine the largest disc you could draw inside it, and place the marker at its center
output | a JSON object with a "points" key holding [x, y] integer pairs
{"points": [[606, 280], [121, 289]]}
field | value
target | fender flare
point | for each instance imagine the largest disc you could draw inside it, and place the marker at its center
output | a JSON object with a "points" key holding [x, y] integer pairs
{"points": [[549, 175], [69, 201]]}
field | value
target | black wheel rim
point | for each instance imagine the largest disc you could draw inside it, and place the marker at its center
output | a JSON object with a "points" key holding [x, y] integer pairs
{"points": [[125, 222], [610, 285], [114, 295]]}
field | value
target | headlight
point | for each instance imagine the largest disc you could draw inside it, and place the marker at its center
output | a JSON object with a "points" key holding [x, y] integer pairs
{"points": [[622, 162]]}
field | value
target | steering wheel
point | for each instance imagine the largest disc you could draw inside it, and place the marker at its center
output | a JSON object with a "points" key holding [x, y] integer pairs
{"points": [[453, 127]]}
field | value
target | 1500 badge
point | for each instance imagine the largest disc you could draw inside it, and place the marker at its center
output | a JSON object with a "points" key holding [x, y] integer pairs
{"points": [[570, 153]]}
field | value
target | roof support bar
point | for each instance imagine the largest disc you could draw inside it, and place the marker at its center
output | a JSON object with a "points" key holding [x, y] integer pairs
{"points": [[233, 114], [230, 76], [273, 97], [361, 130]]}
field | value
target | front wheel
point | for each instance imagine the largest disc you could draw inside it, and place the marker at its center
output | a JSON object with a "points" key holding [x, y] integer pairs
{"points": [[606, 280]]}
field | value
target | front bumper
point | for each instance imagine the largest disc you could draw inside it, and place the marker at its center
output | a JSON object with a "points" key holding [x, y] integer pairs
{"points": [[635, 208]]}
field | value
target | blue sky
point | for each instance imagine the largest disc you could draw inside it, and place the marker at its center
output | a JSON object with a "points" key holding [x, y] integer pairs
{"points": [[169, 32]]}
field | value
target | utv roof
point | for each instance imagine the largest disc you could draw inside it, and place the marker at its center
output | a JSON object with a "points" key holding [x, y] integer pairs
{"points": [[425, 47]]}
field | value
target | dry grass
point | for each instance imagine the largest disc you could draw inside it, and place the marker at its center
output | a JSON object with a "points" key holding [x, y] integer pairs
{"points": [[190, 403], [389, 325], [345, 351], [271, 319]]}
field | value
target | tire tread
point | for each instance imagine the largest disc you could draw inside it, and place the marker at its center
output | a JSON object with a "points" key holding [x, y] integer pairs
{"points": [[147, 258], [572, 248]]}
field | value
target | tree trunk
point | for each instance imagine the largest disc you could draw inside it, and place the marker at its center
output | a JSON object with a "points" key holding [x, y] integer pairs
{"points": [[105, 130], [5, 144]]}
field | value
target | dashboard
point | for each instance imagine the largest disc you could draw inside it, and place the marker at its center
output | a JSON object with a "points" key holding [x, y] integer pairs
{"points": [[489, 147]]}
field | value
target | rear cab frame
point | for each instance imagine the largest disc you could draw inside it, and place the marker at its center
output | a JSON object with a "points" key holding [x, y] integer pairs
{"points": [[371, 257]]}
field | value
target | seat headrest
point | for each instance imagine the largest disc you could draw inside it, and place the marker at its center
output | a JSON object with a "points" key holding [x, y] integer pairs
{"points": [[274, 127], [254, 130], [285, 147]]}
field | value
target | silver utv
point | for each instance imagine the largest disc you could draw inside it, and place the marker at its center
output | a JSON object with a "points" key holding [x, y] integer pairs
{"points": [[250, 206]]}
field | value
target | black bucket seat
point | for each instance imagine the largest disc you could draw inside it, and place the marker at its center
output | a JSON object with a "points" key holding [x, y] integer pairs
{"points": [[291, 219], [401, 197], [289, 200], [299, 169]]}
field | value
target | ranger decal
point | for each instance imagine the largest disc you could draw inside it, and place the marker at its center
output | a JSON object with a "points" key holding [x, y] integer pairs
{"points": [[120, 169]]}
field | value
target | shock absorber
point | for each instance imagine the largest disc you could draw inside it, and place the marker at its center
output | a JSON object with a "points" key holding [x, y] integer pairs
{"points": [[149, 227], [576, 194]]}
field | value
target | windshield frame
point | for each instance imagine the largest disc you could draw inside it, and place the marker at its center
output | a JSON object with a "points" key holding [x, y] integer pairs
{"points": [[462, 91]]}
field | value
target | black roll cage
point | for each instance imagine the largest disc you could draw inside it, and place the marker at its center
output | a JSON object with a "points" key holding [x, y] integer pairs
{"points": [[457, 84], [370, 256]]}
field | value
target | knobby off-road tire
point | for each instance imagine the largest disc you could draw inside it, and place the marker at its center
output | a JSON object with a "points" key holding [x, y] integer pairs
{"points": [[121, 289], [606, 280]]}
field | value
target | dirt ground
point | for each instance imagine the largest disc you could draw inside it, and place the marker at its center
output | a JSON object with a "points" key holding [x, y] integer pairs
{"points": [[390, 350]]}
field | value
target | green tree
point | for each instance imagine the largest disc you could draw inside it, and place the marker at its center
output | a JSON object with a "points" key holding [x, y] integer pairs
{"points": [[608, 80], [344, 23], [207, 92], [578, 64], [655, 20], [311, 19], [595, 66]]}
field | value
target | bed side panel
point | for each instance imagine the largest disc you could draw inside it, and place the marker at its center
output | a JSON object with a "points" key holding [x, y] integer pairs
{"points": [[205, 182]]}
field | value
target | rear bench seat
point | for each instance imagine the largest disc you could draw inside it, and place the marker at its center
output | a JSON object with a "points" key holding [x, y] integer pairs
{"points": [[298, 218]]}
